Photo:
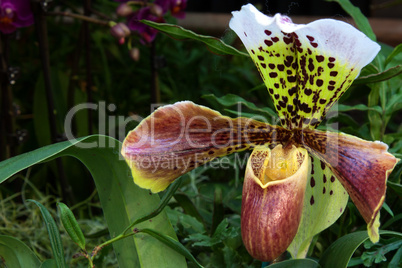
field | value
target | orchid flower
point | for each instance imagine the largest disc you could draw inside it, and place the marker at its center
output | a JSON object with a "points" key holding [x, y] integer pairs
{"points": [[297, 178], [15, 14]]}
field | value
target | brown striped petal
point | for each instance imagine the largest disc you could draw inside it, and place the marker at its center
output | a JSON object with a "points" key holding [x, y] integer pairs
{"points": [[180, 137], [272, 203], [361, 166]]}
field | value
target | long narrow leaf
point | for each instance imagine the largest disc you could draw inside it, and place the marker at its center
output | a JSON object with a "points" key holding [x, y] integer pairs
{"points": [[54, 235], [383, 76], [397, 50], [172, 244], [214, 44], [360, 20], [339, 253]]}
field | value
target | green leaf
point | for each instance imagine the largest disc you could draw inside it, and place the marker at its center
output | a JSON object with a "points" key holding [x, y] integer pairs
{"points": [[360, 20], [214, 44], [54, 235], [188, 206], [339, 253], [51, 263], [296, 263], [325, 200], [167, 240], [378, 77], [397, 50], [122, 201], [71, 225], [378, 255], [360, 107], [16, 254], [395, 262], [231, 99]]}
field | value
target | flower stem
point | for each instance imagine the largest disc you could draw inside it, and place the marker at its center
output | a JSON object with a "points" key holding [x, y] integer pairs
{"points": [[41, 29], [7, 124], [87, 13], [78, 16]]}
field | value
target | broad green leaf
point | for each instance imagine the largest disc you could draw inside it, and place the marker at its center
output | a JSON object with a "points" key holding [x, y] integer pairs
{"points": [[54, 235], [122, 201], [167, 240], [325, 200], [296, 263], [397, 50], [231, 99], [16, 254], [374, 117], [378, 77], [214, 44], [71, 225], [51, 263], [339, 253], [360, 20]]}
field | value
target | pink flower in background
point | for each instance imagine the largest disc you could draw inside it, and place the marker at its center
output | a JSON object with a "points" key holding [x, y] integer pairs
{"points": [[147, 33], [15, 14], [153, 11], [176, 7]]}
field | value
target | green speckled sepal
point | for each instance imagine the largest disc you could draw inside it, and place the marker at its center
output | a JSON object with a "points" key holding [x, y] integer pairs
{"points": [[306, 68]]}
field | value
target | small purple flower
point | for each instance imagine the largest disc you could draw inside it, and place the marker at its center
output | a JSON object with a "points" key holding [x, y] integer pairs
{"points": [[147, 33], [15, 14], [176, 7]]}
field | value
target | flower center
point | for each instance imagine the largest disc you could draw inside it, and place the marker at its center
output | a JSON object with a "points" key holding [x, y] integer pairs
{"points": [[282, 164], [6, 20]]}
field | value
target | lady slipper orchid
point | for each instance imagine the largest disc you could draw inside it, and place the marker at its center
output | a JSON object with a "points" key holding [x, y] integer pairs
{"points": [[297, 178]]}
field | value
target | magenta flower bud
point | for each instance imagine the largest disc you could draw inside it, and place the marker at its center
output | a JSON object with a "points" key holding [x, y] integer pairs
{"points": [[124, 10], [120, 30]]}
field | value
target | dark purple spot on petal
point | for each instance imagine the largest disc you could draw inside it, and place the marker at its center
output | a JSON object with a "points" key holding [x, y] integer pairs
{"points": [[268, 42], [312, 200], [323, 190], [252, 51], [331, 65], [331, 192], [271, 90], [276, 96], [273, 75], [332, 178], [263, 65], [314, 44], [310, 38], [331, 59], [281, 67], [324, 178], [333, 73], [276, 85], [322, 101], [275, 39], [261, 58], [319, 82], [319, 58], [330, 88], [292, 79], [308, 91], [332, 82], [271, 65], [267, 32], [312, 182]]}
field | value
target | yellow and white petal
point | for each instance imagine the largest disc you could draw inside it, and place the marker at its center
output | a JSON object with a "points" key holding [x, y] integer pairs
{"points": [[180, 137], [306, 68], [272, 201]]}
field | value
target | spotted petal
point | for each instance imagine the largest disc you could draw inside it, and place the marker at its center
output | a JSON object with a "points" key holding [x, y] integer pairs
{"points": [[325, 200], [272, 201], [361, 166], [180, 137], [306, 68]]}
